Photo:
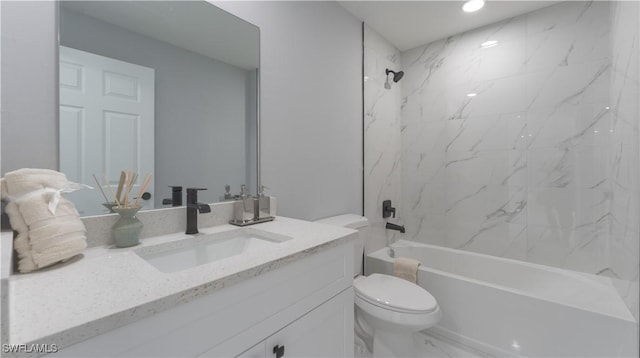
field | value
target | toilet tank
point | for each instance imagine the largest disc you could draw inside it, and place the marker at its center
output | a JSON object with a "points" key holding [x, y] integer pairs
{"points": [[356, 222]]}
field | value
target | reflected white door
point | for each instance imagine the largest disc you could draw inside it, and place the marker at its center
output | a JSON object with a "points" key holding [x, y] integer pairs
{"points": [[106, 123]]}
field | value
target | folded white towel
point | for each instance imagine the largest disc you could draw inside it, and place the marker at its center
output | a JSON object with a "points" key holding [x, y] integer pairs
{"points": [[47, 233], [36, 208], [65, 247], [21, 243], [25, 180], [52, 229], [406, 268]]}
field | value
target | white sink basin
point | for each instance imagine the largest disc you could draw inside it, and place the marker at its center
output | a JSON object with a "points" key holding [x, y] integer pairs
{"points": [[205, 248]]}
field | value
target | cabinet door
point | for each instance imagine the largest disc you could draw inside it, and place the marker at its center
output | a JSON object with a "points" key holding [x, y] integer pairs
{"points": [[327, 331], [257, 351]]}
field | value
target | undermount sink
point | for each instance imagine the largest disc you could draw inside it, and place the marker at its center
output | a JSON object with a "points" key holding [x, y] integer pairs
{"points": [[206, 248]]}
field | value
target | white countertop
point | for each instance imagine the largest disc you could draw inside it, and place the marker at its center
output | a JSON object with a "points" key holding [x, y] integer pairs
{"points": [[111, 287]]}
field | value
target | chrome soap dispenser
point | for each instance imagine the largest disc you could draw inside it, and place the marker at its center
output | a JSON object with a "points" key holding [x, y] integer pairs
{"points": [[243, 210], [264, 204], [250, 210]]}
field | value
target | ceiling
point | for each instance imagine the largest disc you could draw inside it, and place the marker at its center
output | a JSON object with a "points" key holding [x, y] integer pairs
{"points": [[408, 24], [194, 26]]}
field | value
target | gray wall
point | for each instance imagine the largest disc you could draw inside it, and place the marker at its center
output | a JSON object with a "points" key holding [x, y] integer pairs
{"points": [[200, 106], [311, 98], [28, 66], [252, 130], [311, 105]]}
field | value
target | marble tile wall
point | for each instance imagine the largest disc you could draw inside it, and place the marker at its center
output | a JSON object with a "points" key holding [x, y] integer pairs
{"points": [[625, 150], [527, 149], [382, 125], [510, 150]]}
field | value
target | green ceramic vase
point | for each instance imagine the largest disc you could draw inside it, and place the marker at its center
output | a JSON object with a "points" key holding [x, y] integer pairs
{"points": [[126, 231], [110, 206]]}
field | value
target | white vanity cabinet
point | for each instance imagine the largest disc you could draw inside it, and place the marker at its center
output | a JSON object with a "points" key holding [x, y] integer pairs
{"points": [[326, 331], [305, 305]]}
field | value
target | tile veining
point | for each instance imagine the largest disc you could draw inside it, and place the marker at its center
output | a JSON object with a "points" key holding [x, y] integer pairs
{"points": [[527, 149]]}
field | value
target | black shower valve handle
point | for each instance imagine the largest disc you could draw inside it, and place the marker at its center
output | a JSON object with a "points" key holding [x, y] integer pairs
{"points": [[387, 209]]}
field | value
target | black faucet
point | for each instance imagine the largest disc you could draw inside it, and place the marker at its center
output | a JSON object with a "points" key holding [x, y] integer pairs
{"points": [[395, 227], [193, 207], [176, 196]]}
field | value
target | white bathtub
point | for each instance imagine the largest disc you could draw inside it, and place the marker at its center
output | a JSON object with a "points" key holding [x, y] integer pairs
{"points": [[510, 307]]}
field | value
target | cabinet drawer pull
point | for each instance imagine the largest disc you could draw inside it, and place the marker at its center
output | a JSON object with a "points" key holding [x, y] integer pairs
{"points": [[278, 350]]}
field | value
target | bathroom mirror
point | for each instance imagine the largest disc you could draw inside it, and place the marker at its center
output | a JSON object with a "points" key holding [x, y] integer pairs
{"points": [[168, 88]]}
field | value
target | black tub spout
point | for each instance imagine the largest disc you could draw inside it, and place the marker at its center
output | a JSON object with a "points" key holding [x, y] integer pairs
{"points": [[391, 226]]}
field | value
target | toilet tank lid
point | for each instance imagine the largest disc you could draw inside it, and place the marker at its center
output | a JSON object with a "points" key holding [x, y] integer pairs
{"points": [[351, 221]]}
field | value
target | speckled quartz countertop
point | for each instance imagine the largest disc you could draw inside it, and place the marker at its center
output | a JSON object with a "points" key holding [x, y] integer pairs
{"points": [[111, 287]]}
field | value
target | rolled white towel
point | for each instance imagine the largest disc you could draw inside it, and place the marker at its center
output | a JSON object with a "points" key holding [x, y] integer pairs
{"points": [[406, 268]]}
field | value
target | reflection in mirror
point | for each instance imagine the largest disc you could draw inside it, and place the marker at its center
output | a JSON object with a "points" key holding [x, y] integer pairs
{"points": [[167, 88]]}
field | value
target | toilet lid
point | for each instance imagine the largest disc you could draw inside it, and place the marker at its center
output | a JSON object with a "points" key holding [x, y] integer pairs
{"points": [[394, 293]]}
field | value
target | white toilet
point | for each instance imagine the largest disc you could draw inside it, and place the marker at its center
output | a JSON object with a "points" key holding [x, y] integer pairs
{"points": [[389, 309]]}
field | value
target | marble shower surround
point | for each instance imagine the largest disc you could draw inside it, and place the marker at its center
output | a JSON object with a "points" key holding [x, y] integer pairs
{"points": [[520, 169], [382, 144], [527, 149], [625, 151]]}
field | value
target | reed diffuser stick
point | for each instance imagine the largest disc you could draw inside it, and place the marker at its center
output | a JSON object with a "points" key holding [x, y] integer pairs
{"points": [[131, 177], [106, 182], [144, 186], [120, 185], [127, 183], [106, 200]]}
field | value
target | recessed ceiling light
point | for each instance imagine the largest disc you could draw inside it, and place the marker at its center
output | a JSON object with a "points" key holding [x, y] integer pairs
{"points": [[473, 5], [472, 94], [489, 43]]}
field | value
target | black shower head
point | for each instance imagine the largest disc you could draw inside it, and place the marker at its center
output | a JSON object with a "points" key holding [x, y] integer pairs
{"points": [[397, 76]]}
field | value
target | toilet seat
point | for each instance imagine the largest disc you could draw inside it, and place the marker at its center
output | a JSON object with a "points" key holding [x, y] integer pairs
{"points": [[395, 294]]}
